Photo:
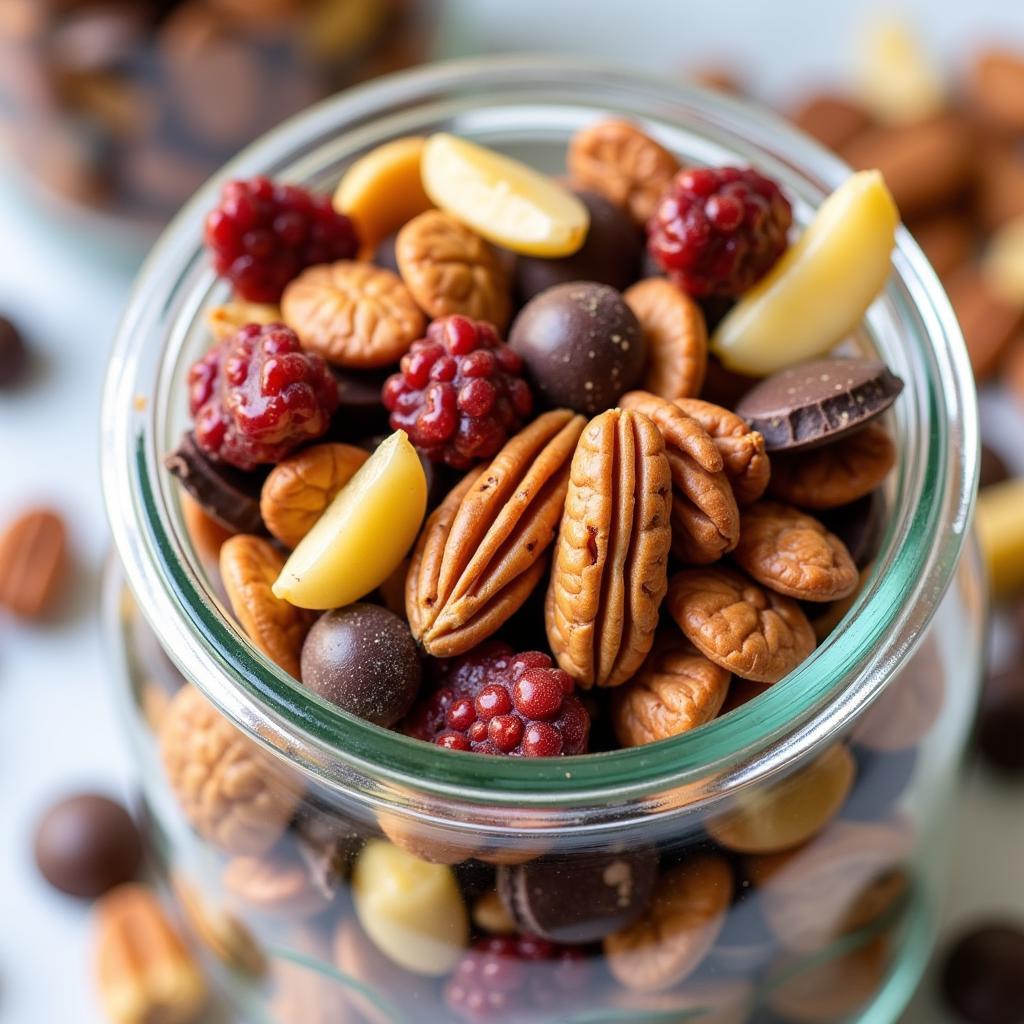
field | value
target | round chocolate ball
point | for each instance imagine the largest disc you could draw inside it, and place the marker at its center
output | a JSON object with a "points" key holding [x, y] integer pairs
{"points": [[983, 979], [582, 345], [611, 254], [1001, 722], [363, 658], [87, 844]]}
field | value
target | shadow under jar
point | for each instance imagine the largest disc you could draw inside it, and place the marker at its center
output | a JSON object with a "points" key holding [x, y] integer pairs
{"points": [[787, 856]]}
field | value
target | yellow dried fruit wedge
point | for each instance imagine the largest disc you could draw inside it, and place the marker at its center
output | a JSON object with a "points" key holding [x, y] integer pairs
{"points": [[822, 286], [1000, 527], [1003, 266], [502, 199], [384, 189], [363, 534]]}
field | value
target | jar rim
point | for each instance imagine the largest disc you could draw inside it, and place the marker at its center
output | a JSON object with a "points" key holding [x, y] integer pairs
{"points": [[936, 420]]}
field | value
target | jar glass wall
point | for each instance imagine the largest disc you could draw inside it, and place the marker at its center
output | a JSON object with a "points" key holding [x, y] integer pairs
{"points": [[786, 856]]}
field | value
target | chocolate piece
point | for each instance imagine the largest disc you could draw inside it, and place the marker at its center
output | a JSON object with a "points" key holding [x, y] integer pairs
{"points": [[610, 255], [363, 659], [818, 402], [993, 469], [983, 978], [13, 354], [328, 844], [475, 877], [1001, 721], [581, 344], [859, 525], [882, 778], [87, 844], [360, 412], [579, 898], [228, 495]]}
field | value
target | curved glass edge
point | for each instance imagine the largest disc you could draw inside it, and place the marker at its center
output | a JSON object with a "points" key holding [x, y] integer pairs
{"points": [[712, 760]]}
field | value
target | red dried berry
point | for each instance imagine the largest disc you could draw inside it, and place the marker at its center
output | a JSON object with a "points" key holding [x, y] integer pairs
{"points": [[494, 701], [718, 230], [258, 395], [262, 235], [460, 394], [516, 977]]}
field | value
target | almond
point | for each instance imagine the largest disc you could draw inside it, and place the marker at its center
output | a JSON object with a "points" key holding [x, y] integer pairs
{"points": [[32, 560]]}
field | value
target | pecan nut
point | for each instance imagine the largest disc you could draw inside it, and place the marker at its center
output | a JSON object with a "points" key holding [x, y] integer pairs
{"points": [[834, 474], [484, 548], [354, 314], [275, 887], [754, 633], [793, 554], [143, 969], [610, 568], [616, 159], [676, 690], [670, 941], [677, 337], [248, 567], [705, 517], [230, 791], [299, 488], [449, 269], [32, 563], [743, 453], [227, 320]]}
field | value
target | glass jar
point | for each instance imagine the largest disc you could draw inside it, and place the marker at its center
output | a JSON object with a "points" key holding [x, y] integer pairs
{"points": [[787, 857], [126, 108]]}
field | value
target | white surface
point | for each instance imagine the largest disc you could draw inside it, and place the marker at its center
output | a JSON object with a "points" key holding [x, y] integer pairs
{"points": [[58, 727]]}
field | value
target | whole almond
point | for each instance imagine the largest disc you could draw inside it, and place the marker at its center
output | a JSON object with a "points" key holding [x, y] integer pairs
{"points": [[610, 569], [32, 563], [143, 969], [996, 89], [485, 548]]}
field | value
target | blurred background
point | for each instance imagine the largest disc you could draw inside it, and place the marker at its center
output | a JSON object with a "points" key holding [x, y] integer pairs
{"points": [[111, 113]]}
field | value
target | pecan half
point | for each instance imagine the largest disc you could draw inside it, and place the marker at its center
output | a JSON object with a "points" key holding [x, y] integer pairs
{"points": [[705, 518], [483, 549], [610, 566], [301, 486], [743, 453], [754, 633], [677, 337], [676, 689], [248, 567], [793, 554], [685, 917], [837, 473], [144, 970], [449, 269], [624, 164], [354, 314]]}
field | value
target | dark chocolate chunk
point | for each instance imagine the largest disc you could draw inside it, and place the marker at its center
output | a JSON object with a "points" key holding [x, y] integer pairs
{"points": [[328, 843], [360, 412], [818, 402], [882, 778], [475, 877], [983, 978], [582, 346], [229, 495], [13, 354], [993, 469], [859, 526], [87, 844], [610, 255], [1000, 730], [363, 659], [579, 898]]}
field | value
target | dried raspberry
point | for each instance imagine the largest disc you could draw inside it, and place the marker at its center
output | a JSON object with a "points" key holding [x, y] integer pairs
{"points": [[460, 394], [494, 701], [515, 977], [263, 234], [257, 395], [718, 230]]}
